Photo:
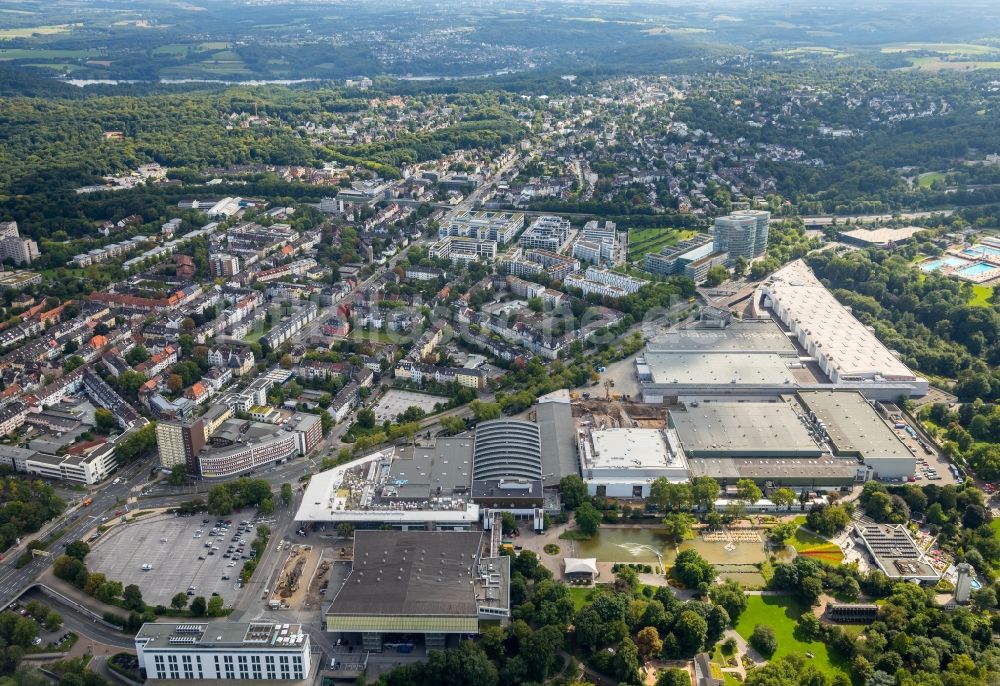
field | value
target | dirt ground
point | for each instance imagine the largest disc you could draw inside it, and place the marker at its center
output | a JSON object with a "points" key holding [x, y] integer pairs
{"points": [[306, 573]]}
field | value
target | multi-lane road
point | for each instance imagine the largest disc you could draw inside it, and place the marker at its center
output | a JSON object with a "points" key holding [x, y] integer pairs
{"points": [[70, 527]]}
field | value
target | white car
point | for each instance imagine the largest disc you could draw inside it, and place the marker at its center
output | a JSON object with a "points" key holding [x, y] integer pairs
{"points": [[146, 567]]}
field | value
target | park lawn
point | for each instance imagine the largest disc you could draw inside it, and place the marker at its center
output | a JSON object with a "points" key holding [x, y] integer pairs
{"points": [[781, 614], [254, 336], [815, 546], [580, 596], [925, 180], [981, 295]]}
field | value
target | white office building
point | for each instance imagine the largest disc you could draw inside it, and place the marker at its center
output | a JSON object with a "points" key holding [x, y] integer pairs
{"points": [[224, 650]]}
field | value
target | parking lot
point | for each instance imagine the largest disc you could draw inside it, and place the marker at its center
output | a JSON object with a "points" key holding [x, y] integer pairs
{"points": [[396, 401], [177, 559], [936, 468]]}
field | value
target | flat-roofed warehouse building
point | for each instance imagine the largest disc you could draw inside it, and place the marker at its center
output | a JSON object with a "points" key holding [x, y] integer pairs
{"points": [[624, 463], [554, 417], [854, 428], [433, 583], [743, 430], [770, 443], [847, 351]]}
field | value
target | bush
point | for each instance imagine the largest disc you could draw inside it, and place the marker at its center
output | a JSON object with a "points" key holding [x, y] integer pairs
{"points": [[764, 640]]}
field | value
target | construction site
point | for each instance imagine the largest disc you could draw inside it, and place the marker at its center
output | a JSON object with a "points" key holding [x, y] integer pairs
{"points": [[305, 576]]}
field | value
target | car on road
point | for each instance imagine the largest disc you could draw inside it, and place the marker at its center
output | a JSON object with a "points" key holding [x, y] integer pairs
{"points": [[201, 557], [225, 577]]}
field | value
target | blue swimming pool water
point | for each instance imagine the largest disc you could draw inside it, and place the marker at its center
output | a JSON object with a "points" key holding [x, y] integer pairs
{"points": [[949, 260], [976, 269], [981, 251]]}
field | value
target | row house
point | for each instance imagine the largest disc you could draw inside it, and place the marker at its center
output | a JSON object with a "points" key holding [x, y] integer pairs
{"points": [[158, 362]]}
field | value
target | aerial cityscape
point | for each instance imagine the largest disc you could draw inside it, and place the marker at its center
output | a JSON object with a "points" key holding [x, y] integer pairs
{"points": [[548, 343]]}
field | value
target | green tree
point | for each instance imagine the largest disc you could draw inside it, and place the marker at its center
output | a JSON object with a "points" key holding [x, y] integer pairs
{"points": [[220, 502], [784, 497], [132, 597], [199, 606], [690, 630], [286, 494], [588, 519], [178, 475], [648, 642], [692, 570], [573, 490], [266, 507], [781, 532], [215, 607], [764, 640], [731, 597], [705, 491], [677, 526], [179, 601], [674, 677], [78, 549], [484, 411], [716, 275], [104, 419], [747, 491]]}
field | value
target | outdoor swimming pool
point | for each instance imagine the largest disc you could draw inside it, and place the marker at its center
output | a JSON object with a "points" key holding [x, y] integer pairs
{"points": [[976, 269], [946, 261], [982, 251]]}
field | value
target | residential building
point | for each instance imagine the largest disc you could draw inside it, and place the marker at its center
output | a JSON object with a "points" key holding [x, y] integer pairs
{"points": [[14, 248], [459, 249], [546, 232], [179, 443], [240, 360], [224, 265], [597, 243], [498, 227]]}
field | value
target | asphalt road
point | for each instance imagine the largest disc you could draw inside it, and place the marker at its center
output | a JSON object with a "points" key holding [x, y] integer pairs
{"points": [[73, 526], [80, 624]]}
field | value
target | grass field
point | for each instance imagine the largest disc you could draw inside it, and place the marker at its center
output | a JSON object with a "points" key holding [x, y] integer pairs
{"points": [[642, 241], [981, 295], [781, 613], [943, 48], [581, 596], [11, 34], [925, 180], [255, 336], [27, 53], [812, 545], [940, 64], [811, 50]]}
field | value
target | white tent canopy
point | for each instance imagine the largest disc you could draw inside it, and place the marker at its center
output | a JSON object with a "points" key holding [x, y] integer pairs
{"points": [[581, 565]]}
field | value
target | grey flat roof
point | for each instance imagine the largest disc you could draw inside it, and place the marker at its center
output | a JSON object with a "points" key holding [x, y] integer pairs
{"points": [[411, 573], [742, 335], [853, 425], [749, 468], [555, 423], [719, 369], [894, 551], [733, 429], [259, 635], [418, 472]]}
